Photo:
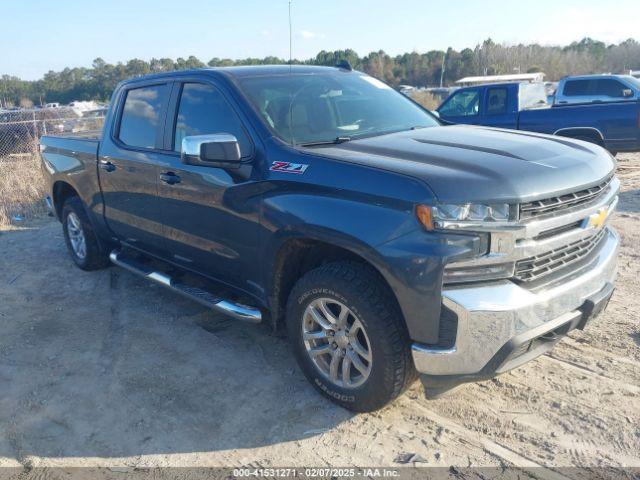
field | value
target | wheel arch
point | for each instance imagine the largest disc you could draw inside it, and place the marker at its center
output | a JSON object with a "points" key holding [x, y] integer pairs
{"points": [[590, 132], [61, 192], [297, 255]]}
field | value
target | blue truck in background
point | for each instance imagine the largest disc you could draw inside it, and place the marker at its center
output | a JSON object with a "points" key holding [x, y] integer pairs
{"points": [[321, 201], [576, 89], [614, 124]]}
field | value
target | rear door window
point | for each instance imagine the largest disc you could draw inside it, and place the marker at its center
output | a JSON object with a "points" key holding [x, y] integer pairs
{"points": [[462, 104], [142, 116]]}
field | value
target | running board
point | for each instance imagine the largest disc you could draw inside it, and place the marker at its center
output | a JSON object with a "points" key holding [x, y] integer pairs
{"points": [[235, 310]]}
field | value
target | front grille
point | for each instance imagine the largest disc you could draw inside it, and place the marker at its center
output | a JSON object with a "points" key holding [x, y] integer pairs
{"points": [[551, 205], [533, 268]]}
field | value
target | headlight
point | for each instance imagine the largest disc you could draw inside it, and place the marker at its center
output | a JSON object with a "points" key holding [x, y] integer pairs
{"points": [[439, 215], [472, 212]]}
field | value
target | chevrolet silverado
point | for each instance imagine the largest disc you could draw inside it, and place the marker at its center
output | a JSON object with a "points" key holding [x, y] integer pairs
{"points": [[322, 201]]}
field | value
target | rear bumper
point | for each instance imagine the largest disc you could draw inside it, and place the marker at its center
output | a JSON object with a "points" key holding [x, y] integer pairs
{"points": [[503, 325]]}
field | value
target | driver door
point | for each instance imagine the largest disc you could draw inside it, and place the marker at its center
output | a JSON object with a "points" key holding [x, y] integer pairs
{"points": [[210, 218]]}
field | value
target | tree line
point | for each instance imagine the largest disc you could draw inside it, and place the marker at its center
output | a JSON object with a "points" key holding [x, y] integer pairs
{"points": [[417, 69]]}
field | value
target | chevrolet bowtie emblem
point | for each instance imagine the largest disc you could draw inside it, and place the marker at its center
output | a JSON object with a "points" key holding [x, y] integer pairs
{"points": [[597, 220]]}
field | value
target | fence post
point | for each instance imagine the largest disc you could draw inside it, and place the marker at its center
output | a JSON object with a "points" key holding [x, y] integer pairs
{"points": [[35, 132]]}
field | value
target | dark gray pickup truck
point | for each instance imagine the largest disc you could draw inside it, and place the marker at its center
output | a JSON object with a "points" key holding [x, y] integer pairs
{"points": [[322, 200]]}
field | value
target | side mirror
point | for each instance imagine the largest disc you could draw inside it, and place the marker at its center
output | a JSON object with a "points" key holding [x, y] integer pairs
{"points": [[214, 150], [627, 92]]}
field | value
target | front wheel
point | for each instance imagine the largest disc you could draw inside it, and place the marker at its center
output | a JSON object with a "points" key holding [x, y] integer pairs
{"points": [[348, 336]]}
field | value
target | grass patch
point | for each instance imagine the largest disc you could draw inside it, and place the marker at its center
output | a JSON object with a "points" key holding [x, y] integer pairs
{"points": [[426, 99], [21, 189]]}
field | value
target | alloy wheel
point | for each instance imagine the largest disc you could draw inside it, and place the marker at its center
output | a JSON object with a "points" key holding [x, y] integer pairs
{"points": [[337, 343], [76, 236]]}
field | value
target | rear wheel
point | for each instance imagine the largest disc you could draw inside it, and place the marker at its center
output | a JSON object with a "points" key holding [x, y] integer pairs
{"points": [[82, 242], [348, 336]]}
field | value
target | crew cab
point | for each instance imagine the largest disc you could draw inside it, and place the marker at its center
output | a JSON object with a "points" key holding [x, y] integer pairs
{"points": [[597, 89], [322, 201], [523, 106]]}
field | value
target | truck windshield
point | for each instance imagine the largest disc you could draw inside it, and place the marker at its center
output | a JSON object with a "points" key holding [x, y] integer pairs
{"points": [[329, 108]]}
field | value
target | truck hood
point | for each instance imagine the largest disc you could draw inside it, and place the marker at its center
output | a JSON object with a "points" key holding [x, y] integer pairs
{"points": [[479, 164]]}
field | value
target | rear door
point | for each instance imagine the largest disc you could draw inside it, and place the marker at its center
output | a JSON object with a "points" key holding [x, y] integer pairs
{"points": [[210, 213], [128, 169], [462, 107]]}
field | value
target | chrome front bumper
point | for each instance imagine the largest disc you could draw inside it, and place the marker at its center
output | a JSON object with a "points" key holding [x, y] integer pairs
{"points": [[503, 315]]}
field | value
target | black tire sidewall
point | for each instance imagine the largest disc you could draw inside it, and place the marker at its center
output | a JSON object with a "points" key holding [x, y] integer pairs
{"points": [[94, 258], [378, 389]]}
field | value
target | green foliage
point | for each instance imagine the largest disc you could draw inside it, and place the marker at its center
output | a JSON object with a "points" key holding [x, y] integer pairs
{"points": [[586, 56]]}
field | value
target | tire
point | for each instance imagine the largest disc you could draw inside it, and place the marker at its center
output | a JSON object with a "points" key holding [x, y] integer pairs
{"points": [[77, 228], [378, 350]]}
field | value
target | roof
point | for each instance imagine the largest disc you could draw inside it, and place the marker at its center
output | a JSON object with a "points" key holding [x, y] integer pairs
{"points": [[593, 75], [518, 77], [239, 71], [253, 70]]}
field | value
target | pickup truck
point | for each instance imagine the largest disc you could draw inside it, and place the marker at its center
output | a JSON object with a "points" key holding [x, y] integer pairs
{"points": [[523, 106], [321, 201], [597, 89]]}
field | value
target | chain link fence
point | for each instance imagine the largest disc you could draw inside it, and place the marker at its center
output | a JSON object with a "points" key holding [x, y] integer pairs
{"points": [[20, 130], [21, 181]]}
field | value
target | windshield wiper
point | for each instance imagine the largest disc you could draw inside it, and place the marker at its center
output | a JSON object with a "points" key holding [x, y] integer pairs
{"points": [[335, 141]]}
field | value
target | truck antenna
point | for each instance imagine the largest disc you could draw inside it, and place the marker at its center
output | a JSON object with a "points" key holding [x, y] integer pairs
{"points": [[290, 38]]}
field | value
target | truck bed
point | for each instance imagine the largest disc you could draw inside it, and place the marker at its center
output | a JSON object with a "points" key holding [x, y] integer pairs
{"points": [[71, 156], [85, 143], [617, 121]]}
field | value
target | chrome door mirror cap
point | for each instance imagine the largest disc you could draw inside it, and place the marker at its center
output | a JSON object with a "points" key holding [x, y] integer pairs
{"points": [[211, 150]]}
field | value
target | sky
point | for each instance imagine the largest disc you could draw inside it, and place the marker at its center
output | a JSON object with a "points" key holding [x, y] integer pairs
{"points": [[41, 35]]}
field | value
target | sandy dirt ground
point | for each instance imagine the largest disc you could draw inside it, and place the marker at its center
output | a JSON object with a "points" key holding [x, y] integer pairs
{"points": [[105, 369]]}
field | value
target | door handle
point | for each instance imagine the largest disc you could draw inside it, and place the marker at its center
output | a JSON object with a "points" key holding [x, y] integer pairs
{"points": [[170, 178], [106, 166]]}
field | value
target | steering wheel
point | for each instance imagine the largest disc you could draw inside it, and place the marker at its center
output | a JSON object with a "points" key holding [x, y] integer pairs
{"points": [[459, 109]]}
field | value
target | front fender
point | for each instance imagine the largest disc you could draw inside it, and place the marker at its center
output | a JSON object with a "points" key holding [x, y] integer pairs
{"points": [[388, 237]]}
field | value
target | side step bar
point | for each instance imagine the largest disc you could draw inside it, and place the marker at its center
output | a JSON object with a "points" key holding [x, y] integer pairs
{"points": [[235, 310]]}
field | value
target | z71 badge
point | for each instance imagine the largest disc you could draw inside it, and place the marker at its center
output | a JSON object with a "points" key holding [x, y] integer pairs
{"points": [[287, 167]]}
